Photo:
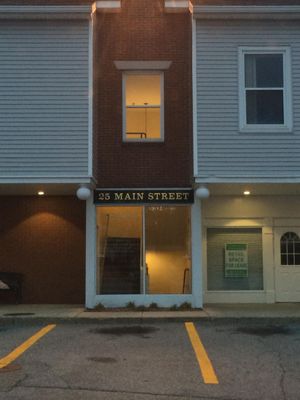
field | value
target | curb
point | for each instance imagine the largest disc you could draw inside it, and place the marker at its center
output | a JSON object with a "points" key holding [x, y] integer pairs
{"points": [[5, 321]]}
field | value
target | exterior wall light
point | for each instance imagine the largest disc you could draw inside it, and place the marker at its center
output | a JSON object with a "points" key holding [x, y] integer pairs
{"points": [[247, 192], [40, 193], [202, 193], [83, 193]]}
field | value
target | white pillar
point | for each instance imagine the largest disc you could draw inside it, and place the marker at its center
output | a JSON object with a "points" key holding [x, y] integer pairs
{"points": [[90, 254], [196, 225], [268, 260]]}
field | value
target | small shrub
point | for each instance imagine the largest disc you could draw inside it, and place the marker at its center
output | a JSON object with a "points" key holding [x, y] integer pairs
{"points": [[99, 307], [131, 305], [185, 306], [174, 307]]}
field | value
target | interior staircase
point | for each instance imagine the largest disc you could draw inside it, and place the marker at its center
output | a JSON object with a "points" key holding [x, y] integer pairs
{"points": [[121, 266]]}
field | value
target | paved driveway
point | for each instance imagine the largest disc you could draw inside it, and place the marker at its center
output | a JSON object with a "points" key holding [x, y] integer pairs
{"points": [[250, 359]]}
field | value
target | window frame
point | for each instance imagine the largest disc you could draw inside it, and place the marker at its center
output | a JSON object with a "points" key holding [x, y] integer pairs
{"points": [[143, 72], [144, 276], [288, 253], [287, 90]]}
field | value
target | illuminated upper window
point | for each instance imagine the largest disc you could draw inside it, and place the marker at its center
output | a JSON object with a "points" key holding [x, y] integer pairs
{"points": [[143, 99]]}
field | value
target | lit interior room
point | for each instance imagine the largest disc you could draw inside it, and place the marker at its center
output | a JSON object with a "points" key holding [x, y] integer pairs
{"points": [[143, 250]]}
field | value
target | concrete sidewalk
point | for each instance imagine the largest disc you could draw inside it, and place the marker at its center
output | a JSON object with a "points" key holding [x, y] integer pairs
{"points": [[77, 313]]}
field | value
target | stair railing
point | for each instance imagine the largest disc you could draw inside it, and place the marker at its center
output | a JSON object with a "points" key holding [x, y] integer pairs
{"points": [[185, 274]]}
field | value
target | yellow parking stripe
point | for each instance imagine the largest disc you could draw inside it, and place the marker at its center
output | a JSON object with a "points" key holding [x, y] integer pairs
{"points": [[204, 362], [25, 346]]}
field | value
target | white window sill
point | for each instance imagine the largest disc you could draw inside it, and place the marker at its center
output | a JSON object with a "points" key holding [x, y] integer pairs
{"points": [[265, 129], [143, 141]]}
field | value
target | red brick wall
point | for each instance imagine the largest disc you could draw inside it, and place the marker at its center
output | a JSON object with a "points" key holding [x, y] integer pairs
{"points": [[143, 31], [44, 239]]}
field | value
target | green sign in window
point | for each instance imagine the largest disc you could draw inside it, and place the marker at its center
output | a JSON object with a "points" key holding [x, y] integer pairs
{"points": [[236, 260]]}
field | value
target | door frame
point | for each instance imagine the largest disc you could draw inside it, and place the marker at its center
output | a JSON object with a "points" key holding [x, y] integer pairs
{"points": [[279, 230]]}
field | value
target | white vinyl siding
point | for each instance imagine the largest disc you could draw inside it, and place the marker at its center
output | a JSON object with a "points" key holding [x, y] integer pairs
{"points": [[44, 98], [223, 152]]}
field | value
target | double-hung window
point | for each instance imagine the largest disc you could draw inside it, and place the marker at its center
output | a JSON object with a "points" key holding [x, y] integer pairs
{"points": [[143, 106], [265, 89]]}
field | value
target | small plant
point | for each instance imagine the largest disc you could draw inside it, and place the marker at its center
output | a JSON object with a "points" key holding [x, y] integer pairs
{"points": [[99, 307], [185, 306], [153, 306], [174, 307], [131, 305]]}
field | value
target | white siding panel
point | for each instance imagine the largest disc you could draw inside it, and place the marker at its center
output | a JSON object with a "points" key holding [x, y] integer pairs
{"points": [[224, 152], [44, 98]]}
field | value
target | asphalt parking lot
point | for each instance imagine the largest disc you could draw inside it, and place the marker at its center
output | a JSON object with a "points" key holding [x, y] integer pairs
{"points": [[248, 360]]}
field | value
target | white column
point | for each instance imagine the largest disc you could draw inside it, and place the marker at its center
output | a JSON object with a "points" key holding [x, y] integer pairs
{"points": [[90, 255], [196, 225], [268, 260]]}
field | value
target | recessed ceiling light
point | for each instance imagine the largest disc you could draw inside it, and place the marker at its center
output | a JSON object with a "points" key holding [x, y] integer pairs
{"points": [[247, 192], [41, 193]]}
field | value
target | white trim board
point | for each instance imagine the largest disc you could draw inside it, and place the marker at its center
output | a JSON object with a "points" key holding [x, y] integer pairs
{"points": [[286, 222], [91, 96], [108, 4], [142, 65], [194, 97], [197, 252], [246, 296], [213, 222], [177, 3], [246, 180], [90, 253], [246, 12], [47, 179], [45, 12], [177, 6]]}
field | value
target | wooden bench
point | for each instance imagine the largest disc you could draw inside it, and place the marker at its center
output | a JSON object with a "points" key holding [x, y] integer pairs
{"points": [[14, 282]]}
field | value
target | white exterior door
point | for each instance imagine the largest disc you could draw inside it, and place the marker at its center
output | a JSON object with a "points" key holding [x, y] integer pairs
{"points": [[287, 264]]}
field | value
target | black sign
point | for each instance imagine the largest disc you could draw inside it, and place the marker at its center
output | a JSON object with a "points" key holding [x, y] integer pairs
{"points": [[148, 196]]}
